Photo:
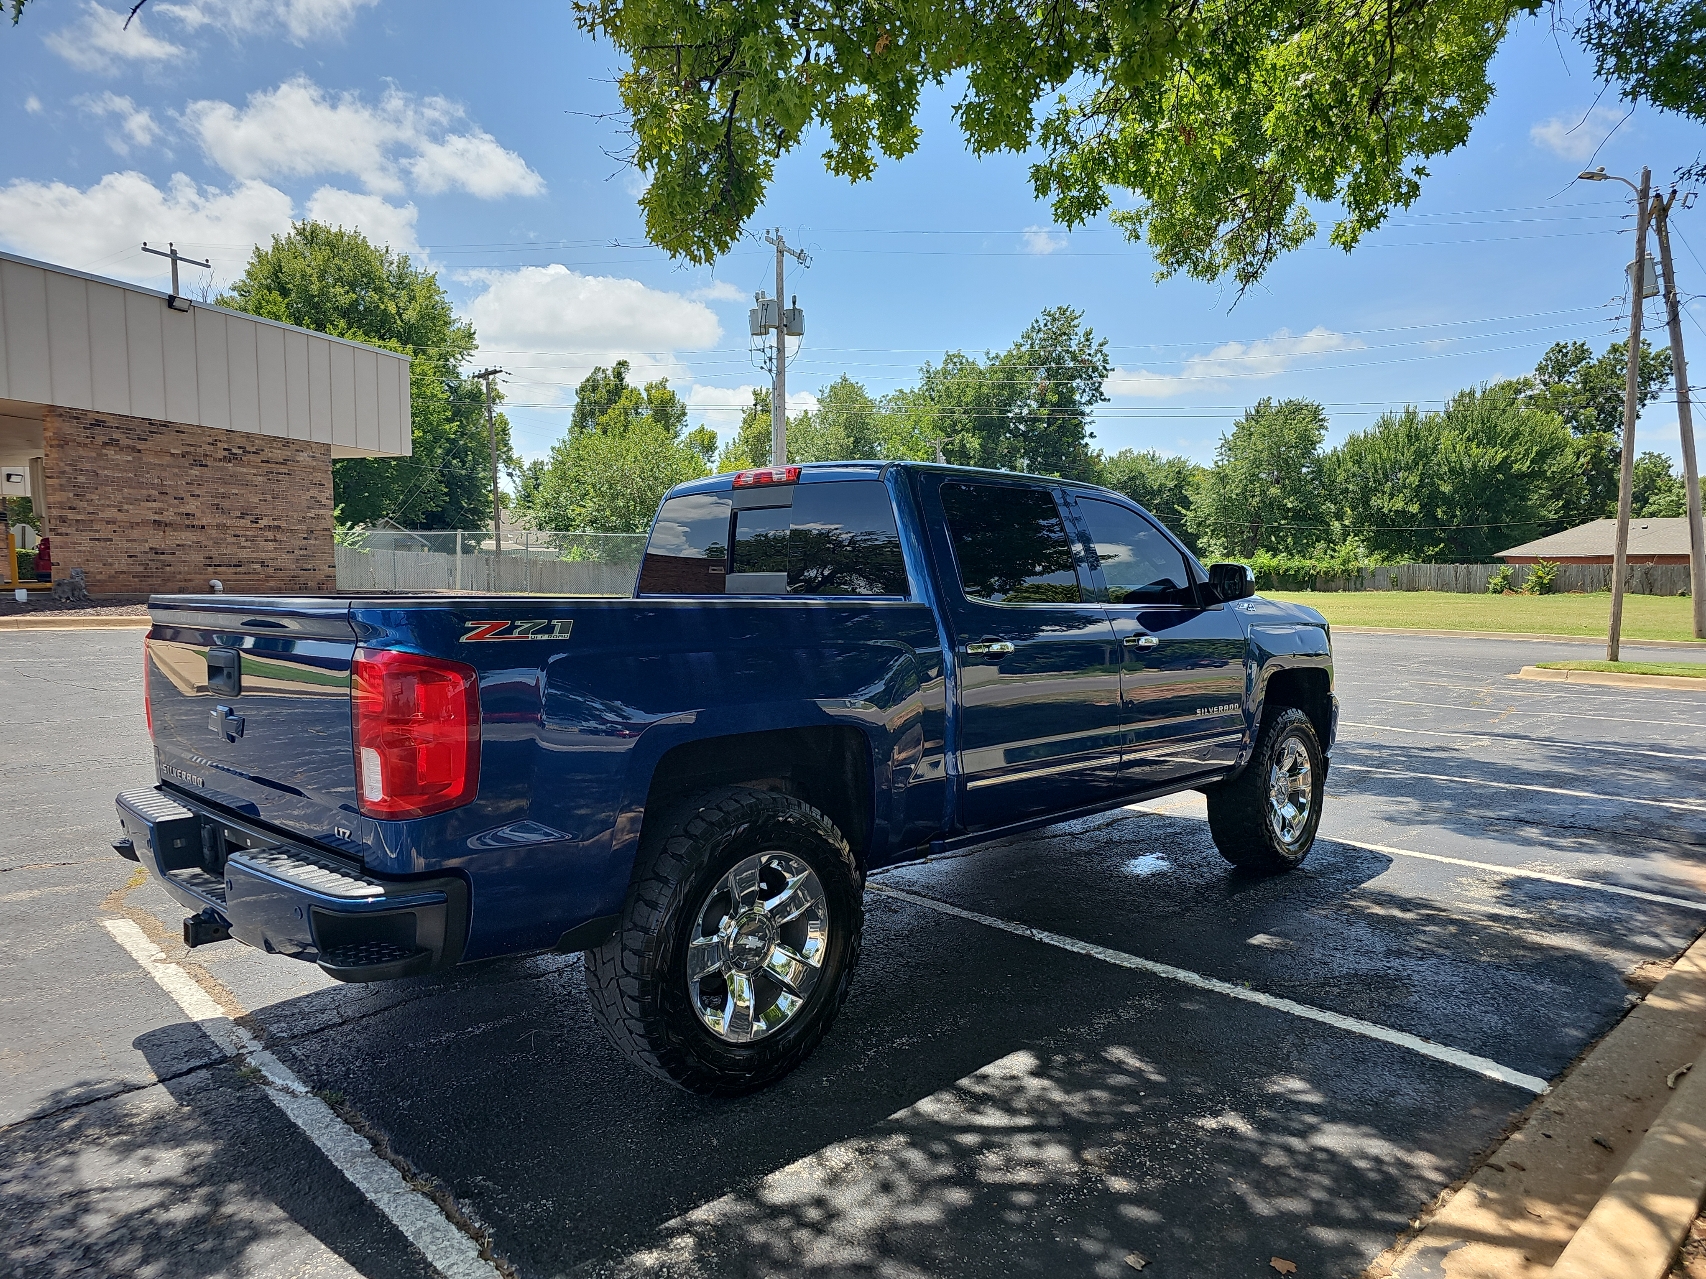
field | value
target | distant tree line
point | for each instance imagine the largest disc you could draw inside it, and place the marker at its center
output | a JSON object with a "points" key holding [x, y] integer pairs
{"points": [[1498, 465]]}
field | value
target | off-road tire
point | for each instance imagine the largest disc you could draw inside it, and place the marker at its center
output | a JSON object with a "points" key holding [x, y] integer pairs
{"points": [[637, 980], [1240, 816]]}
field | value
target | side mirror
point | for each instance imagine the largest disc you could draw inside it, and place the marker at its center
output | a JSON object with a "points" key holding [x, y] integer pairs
{"points": [[1228, 582]]}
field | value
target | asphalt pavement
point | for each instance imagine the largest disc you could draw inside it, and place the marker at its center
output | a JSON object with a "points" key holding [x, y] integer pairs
{"points": [[1092, 1043]]}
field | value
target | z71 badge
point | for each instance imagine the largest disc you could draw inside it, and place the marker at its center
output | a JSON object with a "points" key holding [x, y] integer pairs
{"points": [[540, 630]]}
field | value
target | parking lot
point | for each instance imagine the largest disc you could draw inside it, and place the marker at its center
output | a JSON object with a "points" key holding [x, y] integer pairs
{"points": [[1092, 1041]]}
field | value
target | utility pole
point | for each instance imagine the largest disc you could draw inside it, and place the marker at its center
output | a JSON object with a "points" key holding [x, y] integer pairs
{"points": [[1684, 418], [1631, 399], [486, 376], [176, 257], [787, 323]]}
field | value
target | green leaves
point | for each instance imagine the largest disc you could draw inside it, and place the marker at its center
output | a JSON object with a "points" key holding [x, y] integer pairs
{"points": [[1223, 118], [624, 450]]}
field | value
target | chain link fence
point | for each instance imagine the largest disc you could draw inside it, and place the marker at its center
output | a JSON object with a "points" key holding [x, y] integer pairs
{"points": [[527, 563]]}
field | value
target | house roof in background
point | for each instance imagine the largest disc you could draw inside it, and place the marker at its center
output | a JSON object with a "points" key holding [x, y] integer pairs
{"points": [[1667, 536]]}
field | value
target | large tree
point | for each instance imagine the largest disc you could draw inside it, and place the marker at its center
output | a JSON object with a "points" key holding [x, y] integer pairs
{"points": [[1264, 492], [1228, 119], [1158, 483], [1455, 486], [626, 447], [336, 281], [1586, 392]]}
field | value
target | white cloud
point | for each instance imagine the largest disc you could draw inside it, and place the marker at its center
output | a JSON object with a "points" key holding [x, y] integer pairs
{"points": [[298, 130], [550, 326], [1266, 357], [720, 291], [136, 126], [474, 162], [301, 20], [60, 223], [100, 42], [1577, 137], [32, 104], [110, 220], [387, 225], [1039, 239]]}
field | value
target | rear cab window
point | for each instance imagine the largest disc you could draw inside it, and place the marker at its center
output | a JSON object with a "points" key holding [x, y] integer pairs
{"points": [[832, 537], [1010, 544]]}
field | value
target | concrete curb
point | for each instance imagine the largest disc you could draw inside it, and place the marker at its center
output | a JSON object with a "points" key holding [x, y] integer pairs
{"points": [[1637, 1226], [1613, 679], [120, 622], [1517, 1213], [1698, 646]]}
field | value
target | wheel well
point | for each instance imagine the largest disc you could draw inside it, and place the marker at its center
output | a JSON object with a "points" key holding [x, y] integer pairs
{"points": [[1310, 691], [829, 768]]}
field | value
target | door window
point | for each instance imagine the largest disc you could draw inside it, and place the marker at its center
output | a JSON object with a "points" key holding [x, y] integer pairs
{"points": [[1010, 544], [1139, 564]]}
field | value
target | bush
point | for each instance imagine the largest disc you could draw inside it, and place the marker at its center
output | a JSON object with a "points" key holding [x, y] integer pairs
{"points": [[1542, 578], [1300, 572], [26, 566], [1500, 581]]}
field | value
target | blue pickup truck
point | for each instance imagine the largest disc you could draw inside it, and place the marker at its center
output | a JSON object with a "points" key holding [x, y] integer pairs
{"points": [[822, 670]]}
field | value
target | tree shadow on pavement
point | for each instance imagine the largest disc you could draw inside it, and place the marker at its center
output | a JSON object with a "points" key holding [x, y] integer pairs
{"points": [[202, 1176]]}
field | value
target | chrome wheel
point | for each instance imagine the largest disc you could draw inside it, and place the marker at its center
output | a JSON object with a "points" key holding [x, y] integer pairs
{"points": [[1290, 791], [758, 946]]}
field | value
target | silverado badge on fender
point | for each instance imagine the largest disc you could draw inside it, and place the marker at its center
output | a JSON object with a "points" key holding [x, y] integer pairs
{"points": [[513, 630]]}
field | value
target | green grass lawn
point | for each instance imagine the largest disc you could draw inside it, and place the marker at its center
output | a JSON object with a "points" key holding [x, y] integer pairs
{"points": [[1644, 616], [1689, 670]]}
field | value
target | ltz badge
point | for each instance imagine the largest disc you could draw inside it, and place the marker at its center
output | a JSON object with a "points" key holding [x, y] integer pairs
{"points": [[514, 630]]}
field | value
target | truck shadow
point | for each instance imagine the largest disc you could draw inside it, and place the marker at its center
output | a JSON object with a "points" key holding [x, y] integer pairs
{"points": [[987, 1104]]}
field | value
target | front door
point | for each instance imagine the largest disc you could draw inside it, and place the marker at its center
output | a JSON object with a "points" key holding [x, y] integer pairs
{"points": [[1037, 660], [1182, 681]]}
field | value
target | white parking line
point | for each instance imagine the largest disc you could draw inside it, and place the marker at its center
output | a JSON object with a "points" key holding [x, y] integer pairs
{"points": [[1516, 872], [1498, 868], [1677, 804], [1502, 711], [449, 1251], [1415, 1043], [1509, 740]]}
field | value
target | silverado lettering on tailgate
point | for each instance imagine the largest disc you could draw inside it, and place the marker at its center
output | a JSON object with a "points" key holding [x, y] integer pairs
{"points": [[514, 630]]}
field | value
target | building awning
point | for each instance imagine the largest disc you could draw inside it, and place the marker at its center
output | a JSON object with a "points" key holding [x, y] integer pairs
{"points": [[82, 342], [1649, 539]]}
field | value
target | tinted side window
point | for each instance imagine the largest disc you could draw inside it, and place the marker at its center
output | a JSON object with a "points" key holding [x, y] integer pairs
{"points": [[688, 551], [1139, 565], [1011, 544], [838, 538]]}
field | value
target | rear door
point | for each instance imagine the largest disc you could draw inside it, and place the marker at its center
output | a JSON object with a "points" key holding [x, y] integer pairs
{"points": [[1182, 669], [251, 709], [1037, 662]]}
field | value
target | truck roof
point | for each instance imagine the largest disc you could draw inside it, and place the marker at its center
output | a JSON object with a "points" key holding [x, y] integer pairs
{"points": [[825, 471]]}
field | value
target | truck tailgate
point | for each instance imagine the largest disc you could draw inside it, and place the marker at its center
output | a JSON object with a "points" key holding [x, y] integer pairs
{"points": [[250, 706]]}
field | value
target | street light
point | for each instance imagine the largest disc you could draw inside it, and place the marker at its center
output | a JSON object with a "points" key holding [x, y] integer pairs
{"points": [[1631, 399]]}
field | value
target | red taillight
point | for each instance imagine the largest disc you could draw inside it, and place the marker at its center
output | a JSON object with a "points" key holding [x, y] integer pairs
{"points": [[147, 700], [768, 475], [417, 733]]}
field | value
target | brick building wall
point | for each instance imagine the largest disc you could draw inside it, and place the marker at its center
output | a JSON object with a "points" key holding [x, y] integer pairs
{"points": [[147, 506]]}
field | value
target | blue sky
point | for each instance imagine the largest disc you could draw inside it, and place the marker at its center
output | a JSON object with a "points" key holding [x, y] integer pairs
{"points": [[480, 140]]}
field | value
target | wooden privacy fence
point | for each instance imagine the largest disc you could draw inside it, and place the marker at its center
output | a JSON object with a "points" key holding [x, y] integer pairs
{"points": [[605, 564], [1472, 579]]}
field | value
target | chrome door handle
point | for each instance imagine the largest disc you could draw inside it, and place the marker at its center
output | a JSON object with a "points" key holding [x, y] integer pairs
{"points": [[982, 647], [1141, 641]]}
